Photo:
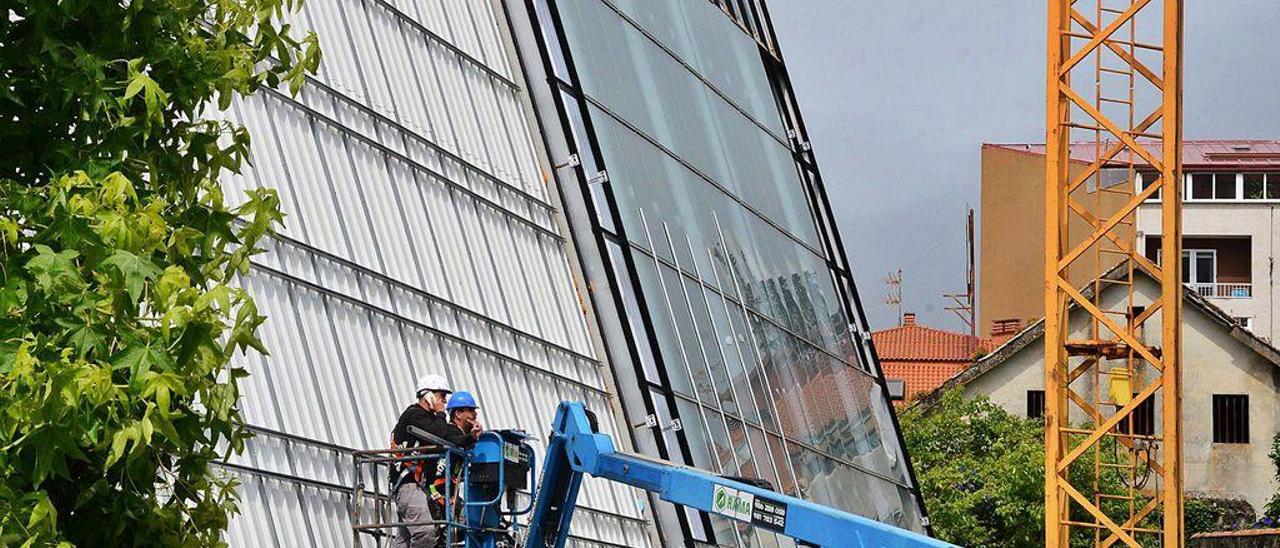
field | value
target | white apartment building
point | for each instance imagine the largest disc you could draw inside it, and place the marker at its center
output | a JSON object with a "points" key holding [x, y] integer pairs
{"points": [[1230, 198]]}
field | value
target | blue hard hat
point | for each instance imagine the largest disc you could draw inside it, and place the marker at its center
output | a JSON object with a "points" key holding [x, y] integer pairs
{"points": [[461, 400]]}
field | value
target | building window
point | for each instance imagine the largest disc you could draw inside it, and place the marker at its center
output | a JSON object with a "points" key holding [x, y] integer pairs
{"points": [[1245, 322], [1146, 179], [1213, 186], [1255, 186], [1201, 186], [1199, 267], [1230, 418], [1144, 419], [1261, 186], [1035, 404]]}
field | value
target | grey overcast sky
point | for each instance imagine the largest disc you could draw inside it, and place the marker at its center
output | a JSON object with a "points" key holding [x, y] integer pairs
{"points": [[899, 96]]}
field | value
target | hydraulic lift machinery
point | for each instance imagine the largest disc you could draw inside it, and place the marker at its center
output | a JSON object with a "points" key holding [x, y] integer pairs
{"points": [[502, 463]]}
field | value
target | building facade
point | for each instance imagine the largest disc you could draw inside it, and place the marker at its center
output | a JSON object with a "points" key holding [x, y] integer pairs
{"points": [[420, 237], [448, 213], [1011, 235], [1231, 190], [724, 298], [1230, 399], [1229, 239]]}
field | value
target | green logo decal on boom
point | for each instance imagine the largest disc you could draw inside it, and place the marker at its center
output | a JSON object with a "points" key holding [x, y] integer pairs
{"points": [[732, 503]]}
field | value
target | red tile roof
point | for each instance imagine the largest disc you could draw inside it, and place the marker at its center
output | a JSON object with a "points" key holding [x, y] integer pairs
{"points": [[918, 343], [923, 357], [1196, 154]]}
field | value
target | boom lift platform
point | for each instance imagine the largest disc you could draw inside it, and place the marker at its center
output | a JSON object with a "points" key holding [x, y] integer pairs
{"points": [[502, 463]]}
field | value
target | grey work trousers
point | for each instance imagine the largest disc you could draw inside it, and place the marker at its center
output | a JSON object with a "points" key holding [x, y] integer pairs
{"points": [[413, 504]]}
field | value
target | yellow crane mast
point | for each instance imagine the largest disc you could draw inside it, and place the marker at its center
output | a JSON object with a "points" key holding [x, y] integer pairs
{"points": [[1114, 118]]}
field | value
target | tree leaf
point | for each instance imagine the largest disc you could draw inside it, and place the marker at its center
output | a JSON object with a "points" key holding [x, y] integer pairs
{"points": [[135, 270], [43, 510], [137, 360], [50, 268], [118, 443]]}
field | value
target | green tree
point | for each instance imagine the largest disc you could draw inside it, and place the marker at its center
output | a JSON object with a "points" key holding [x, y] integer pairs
{"points": [[118, 308], [981, 471]]}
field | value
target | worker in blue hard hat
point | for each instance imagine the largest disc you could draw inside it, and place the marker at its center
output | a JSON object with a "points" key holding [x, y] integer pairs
{"points": [[461, 409], [460, 412], [411, 480]]}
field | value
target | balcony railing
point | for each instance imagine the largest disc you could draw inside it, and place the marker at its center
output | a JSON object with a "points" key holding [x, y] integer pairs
{"points": [[1223, 291]]}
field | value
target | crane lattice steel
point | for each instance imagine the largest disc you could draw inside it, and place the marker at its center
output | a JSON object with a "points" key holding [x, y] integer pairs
{"points": [[1114, 115]]}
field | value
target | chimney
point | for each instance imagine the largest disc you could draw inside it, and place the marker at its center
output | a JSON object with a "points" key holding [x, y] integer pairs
{"points": [[909, 318], [1003, 330]]}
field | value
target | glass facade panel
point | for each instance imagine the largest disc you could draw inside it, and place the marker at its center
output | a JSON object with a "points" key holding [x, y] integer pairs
{"points": [[765, 465], [751, 311], [696, 435], [720, 444], [778, 276], [644, 85], [731, 343], [714, 360], [743, 452], [708, 41], [635, 318]]}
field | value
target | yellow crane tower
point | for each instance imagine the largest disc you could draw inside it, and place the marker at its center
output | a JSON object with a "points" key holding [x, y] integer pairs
{"points": [[1114, 112]]}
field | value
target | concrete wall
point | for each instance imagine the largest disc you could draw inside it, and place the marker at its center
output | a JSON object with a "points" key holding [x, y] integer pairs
{"points": [[1011, 242], [1214, 362], [1256, 220]]}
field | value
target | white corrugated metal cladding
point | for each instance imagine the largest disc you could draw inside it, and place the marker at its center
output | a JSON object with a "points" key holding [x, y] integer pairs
{"points": [[419, 238]]}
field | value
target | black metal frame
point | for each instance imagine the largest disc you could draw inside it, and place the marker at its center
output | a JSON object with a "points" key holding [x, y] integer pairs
{"points": [[752, 18], [602, 235], [853, 302]]}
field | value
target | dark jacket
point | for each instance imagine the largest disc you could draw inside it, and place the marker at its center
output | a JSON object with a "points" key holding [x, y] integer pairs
{"points": [[434, 424]]}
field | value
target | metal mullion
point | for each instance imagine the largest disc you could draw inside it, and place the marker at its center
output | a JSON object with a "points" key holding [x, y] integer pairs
{"points": [[347, 131], [768, 319], [716, 333], [741, 359], [464, 342], [746, 318]]}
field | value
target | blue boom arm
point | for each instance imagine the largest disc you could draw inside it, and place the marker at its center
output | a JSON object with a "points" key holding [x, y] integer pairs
{"points": [[576, 449]]}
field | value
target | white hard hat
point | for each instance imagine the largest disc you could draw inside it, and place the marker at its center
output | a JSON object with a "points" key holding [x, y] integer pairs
{"points": [[432, 383]]}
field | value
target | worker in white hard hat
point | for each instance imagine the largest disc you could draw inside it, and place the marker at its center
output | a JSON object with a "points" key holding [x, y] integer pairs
{"points": [[410, 480]]}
